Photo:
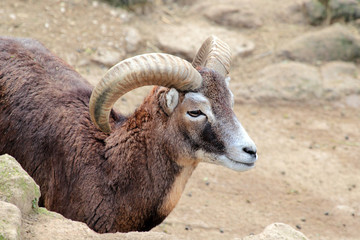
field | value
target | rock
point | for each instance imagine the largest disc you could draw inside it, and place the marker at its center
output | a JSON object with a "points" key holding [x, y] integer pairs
{"points": [[244, 50], [290, 81], [238, 16], [340, 79], [353, 101], [10, 221], [333, 43], [49, 225], [173, 41], [107, 57], [314, 11], [294, 81], [292, 13], [278, 231], [133, 39], [347, 10], [16, 186]]}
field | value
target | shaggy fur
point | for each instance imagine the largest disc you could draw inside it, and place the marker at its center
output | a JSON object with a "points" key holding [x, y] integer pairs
{"points": [[116, 182]]}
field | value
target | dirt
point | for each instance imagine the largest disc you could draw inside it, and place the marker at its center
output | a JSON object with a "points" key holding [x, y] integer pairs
{"points": [[307, 174]]}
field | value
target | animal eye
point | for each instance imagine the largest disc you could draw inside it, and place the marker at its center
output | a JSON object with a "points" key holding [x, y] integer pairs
{"points": [[195, 113]]}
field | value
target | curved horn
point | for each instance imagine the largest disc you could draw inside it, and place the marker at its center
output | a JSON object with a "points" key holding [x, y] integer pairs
{"points": [[148, 69], [214, 54]]}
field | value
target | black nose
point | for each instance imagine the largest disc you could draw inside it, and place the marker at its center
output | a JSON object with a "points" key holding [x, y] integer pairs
{"points": [[250, 151]]}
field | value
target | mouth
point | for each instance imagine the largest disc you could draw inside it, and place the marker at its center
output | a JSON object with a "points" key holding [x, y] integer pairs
{"points": [[238, 165], [243, 163], [251, 164]]}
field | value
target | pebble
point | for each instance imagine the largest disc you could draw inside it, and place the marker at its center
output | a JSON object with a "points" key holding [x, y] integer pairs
{"points": [[95, 3], [133, 39], [12, 16], [107, 56], [244, 49]]}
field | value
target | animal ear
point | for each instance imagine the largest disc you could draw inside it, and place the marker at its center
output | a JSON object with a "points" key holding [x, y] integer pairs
{"points": [[170, 101], [227, 80]]}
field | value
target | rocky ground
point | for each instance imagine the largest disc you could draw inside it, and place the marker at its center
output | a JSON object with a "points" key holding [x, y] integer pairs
{"points": [[295, 77]]}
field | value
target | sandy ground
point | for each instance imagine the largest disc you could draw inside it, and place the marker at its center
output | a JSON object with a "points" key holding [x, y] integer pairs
{"points": [[307, 174]]}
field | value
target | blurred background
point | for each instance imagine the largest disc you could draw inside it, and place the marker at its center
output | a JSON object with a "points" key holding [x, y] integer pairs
{"points": [[295, 79]]}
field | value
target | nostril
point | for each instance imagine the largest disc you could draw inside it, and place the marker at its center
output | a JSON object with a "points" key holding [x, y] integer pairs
{"points": [[250, 151]]}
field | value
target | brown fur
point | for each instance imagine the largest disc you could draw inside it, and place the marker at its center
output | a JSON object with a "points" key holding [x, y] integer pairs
{"points": [[128, 180]]}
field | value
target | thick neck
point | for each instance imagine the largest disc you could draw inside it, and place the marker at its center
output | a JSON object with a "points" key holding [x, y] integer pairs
{"points": [[143, 171], [173, 195]]}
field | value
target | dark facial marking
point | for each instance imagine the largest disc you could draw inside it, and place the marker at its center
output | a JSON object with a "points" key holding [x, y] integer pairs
{"points": [[211, 143]]}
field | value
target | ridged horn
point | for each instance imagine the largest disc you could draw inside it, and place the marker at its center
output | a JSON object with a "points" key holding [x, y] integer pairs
{"points": [[147, 69], [214, 54]]}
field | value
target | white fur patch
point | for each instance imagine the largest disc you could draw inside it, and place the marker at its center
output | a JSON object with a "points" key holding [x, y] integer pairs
{"points": [[201, 103], [197, 97], [172, 99]]}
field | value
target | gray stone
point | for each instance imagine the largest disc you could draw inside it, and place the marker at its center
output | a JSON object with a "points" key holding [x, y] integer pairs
{"points": [[353, 101], [107, 56], [314, 11], [295, 81], [291, 81], [245, 49], [132, 39], [16, 186], [172, 40], [333, 43], [340, 79], [49, 225], [10, 221], [278, 231], [232, 15]]}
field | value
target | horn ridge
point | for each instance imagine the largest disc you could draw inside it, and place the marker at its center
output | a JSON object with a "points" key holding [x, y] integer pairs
{"points": [[214, 54]]}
